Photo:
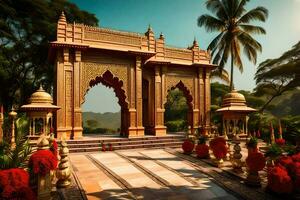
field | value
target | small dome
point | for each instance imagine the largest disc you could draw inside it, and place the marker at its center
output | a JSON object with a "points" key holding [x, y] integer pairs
{"points": [[234, 98], [41, 97]]}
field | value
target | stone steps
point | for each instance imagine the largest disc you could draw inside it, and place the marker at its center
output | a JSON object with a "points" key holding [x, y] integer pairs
{"points": [[95, 145]]}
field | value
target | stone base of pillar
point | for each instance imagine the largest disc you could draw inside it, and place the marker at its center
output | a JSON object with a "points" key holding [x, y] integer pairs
{"points": [[160, 130], [136, 132], [64, 133], [140, 131], [77, 133]]}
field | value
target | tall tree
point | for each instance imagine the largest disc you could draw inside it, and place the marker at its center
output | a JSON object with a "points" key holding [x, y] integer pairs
{"points": [[26, 28], [276, 76], [232, 21]]}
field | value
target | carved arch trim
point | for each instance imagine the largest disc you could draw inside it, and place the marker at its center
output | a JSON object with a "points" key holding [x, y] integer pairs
{"points": [[110, 81], [90, 71]]}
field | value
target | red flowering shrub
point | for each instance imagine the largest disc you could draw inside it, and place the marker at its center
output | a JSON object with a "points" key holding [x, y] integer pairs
{"points": [[219, 150], [216, 141], [280, 142], [296, 157], [279, 180], [256, 161], [285, 161], [202, 150], [42, 161], [54, 148], [188, 146], [14, 184]]}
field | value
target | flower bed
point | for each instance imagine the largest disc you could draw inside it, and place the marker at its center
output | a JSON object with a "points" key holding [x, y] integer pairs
{"points": [[42, 162], [286, 172], [14, 184], [280, 142]]}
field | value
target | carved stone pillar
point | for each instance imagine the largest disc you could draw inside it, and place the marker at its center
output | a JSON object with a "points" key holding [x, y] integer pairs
{"points": [[160, 129], [138, 97], [206, 77], [62, 57], [201, 97], [77, 118]]}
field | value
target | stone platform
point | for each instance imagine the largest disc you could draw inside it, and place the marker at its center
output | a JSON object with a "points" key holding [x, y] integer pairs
{"points": [[155, 174], [94, 143]]}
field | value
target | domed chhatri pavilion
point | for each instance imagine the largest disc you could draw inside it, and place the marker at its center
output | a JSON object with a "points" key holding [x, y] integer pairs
{"points": [[39, 110], [234, 112]]}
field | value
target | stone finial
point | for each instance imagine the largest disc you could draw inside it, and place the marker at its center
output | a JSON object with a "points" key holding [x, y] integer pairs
{"points": [[63, 173], [149, 28], [43, 143], [195, 43], [161, 36], [62, 17]]}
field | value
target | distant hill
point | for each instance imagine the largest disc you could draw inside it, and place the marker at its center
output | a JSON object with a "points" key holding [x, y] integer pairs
{"points": [[102, 120]]}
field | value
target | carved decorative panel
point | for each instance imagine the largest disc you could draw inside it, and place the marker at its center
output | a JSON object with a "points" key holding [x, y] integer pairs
{"points": [[172, 81], [91, 70], [68, 93]]}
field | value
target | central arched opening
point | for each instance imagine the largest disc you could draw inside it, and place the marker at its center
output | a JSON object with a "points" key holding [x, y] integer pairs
{"points": [[105, 110], [178, 110]]}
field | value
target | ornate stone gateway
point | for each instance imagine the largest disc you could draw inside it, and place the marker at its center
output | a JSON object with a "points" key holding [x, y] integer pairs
{"points": [[140, 68]]}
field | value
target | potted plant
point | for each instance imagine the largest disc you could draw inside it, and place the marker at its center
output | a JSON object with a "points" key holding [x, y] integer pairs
{"points": [[202, 149], [252, 145], [219, 149], [255, 163], [188, 146], [272, 153]]}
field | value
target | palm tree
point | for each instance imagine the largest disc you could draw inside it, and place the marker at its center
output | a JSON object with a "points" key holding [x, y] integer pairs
{"points": [[232, 21]]}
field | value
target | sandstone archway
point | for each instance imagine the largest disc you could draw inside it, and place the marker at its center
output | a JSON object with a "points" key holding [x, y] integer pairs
{"points": [[108, 80], [84, 56]]}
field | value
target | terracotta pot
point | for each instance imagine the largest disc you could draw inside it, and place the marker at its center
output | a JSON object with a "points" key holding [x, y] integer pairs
{"points": [[188, 146], [252, 149], [202, 151]]}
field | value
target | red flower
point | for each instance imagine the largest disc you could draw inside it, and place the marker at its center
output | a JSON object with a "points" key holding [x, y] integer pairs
{"points": [[255, 161], [42, 161], [14, 184], [216, 141], [280, 141], [296, 157], [188, 146], [54, 148], [202, 150], [279, 180], [219, 150], [285, 161]]}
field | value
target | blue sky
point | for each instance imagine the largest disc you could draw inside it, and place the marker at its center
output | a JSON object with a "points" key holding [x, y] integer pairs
{"points": [[177, 19]]}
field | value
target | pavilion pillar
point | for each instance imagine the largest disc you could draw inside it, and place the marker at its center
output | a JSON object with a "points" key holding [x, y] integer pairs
{"points": [[206, 102], [77, 113], [159, 85], [138, 97]]}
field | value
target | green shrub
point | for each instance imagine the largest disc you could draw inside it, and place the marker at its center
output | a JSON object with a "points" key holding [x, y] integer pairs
{"points": [[176, 125]]}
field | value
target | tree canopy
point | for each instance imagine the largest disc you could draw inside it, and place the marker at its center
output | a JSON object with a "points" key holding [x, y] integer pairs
{"points": [[26, 28], [276, 76], [233, 22]]}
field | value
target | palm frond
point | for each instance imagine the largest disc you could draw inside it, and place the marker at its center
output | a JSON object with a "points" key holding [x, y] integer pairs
{"points": [[241, 8], [213, 44], [252, 29], [221, 74], [258, 14], [211, 23], [217, 7]]}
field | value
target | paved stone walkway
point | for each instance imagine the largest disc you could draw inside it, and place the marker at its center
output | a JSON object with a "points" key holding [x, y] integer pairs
{"points": [[143, 174]]}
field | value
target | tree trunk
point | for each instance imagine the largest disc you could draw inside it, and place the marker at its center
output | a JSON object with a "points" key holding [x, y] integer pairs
{"points": [[231, 71]]}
